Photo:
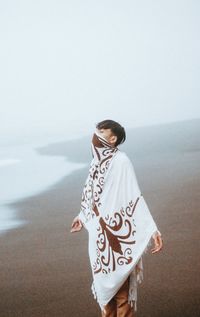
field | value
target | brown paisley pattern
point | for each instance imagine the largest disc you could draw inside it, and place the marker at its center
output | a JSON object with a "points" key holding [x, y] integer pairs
{"points": [[113, 248], [102, 153]]}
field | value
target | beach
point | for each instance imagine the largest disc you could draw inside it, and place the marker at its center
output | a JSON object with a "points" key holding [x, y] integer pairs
{"points": [[45, 270]]}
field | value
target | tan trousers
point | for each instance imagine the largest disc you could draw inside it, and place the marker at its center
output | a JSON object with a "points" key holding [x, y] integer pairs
{"points": [[118, 306]]}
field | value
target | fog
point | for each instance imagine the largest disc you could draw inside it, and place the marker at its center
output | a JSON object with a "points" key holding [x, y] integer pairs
{"points": [[68, 64]]}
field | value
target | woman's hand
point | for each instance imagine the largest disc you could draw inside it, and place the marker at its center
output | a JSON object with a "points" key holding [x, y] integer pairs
{"points": [[76, 225], [158, 242]]}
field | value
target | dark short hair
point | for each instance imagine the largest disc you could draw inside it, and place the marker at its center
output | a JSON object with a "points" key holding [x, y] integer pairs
{"points": [[116, 129]]}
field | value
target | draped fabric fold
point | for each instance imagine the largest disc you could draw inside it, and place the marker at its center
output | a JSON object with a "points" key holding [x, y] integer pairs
{"points": [[118, 221]]}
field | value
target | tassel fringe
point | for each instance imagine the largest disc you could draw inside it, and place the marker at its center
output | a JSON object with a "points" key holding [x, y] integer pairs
{"points": [[136, 277]]}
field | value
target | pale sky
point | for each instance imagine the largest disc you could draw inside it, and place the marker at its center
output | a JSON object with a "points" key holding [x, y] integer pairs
{"points": [[65, 65]]}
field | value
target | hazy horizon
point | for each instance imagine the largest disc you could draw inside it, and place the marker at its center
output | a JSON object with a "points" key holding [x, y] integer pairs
{"points": [[68, 64]]}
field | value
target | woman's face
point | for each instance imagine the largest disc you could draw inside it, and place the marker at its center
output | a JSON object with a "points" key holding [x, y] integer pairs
{"points": [[107, 134]]}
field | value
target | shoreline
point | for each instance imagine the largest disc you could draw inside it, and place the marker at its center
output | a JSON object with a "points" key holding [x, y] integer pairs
{"points": [[34, 167], [45, 269]]}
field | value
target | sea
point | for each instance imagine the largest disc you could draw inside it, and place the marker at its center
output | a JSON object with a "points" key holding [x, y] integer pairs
{"points": [[25, 172]]}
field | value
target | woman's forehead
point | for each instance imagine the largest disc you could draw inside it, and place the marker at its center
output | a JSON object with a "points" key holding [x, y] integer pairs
{"points": [[107, 131]]}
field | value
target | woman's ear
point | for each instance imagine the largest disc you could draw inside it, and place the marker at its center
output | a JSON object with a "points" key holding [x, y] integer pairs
{"points": [[113, 139]]}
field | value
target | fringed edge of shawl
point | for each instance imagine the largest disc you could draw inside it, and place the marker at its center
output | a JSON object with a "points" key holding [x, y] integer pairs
{"points": [[95, 297], [93, 290], [136, 277]]}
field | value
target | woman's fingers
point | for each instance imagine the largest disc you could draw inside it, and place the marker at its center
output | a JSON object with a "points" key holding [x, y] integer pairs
{"points": [[76, 226], [156, 249], [158, 244], [74, 221]]}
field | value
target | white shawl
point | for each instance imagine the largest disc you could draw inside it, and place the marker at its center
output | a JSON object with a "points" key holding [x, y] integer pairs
{"points": [[118, 221]]}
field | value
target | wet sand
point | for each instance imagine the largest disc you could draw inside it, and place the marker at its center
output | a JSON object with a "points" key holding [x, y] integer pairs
{"points": [[44, 269]]}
